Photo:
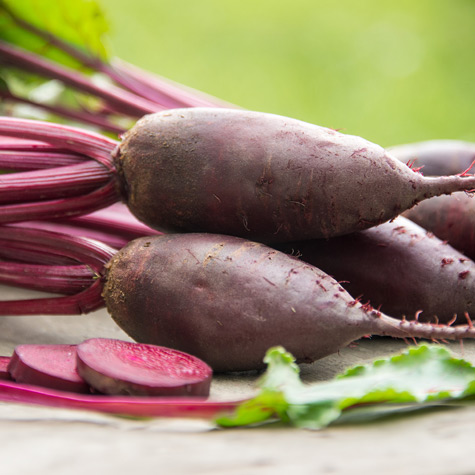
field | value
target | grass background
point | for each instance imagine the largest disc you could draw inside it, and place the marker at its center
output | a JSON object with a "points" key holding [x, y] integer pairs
{"points": [[392, 72]]}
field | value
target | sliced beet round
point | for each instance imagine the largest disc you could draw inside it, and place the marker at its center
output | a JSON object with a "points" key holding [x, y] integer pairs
{"points": [[4, 361], [50, 366], [121, 367]]}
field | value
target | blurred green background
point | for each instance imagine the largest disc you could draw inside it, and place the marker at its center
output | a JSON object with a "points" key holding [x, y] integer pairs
{"points": [[392, 72]]}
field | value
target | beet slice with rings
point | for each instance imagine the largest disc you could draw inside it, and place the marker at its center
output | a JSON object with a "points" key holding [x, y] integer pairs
{"points": [[50, 366], [120, 367]]}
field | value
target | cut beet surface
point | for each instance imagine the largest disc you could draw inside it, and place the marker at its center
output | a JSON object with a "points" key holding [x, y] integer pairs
{"points": [[51, 366], [120, 367], [4, 361]]}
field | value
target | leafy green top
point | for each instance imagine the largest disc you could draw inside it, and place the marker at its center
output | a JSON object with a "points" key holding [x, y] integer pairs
{"points": [[417, 378], [81, 23]]}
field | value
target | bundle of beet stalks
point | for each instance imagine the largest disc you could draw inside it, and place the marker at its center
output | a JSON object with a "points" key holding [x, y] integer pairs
{"points": [[219, 186]]}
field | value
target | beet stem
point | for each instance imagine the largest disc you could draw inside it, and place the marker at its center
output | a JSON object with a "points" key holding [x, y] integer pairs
{"points": [[445, 185], [110, 236], [120, 405], [126, 102], [85, 301], [92, 185], [13, 252], [86, 251], [61, 208], [388, 326], [161, 90], [37, 159], [115, 219], [61, 279], [73, 139], [68, 112], [58, 182]]}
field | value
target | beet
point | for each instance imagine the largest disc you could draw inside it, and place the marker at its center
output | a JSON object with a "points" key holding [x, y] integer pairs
{"points": [[400, 268], [50, 366], [119, 367], [450, 218], [262, 176], [259, 176], [227, 300], [220, 298]]}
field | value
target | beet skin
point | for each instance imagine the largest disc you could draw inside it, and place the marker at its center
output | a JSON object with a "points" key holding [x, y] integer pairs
{"points": [[262, 176], [227, 300], [399, 267], [451, 218]]}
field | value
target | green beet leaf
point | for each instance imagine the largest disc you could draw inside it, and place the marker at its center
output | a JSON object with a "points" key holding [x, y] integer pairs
{"points": [[81, 23], [415, 379], [40, 26]]}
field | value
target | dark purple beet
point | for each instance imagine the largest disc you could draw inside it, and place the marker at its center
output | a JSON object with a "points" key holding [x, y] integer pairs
{"points": [[262, 176], [121, 367], [228, 300], [399, 267], [450, 218], [50, 366]]}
